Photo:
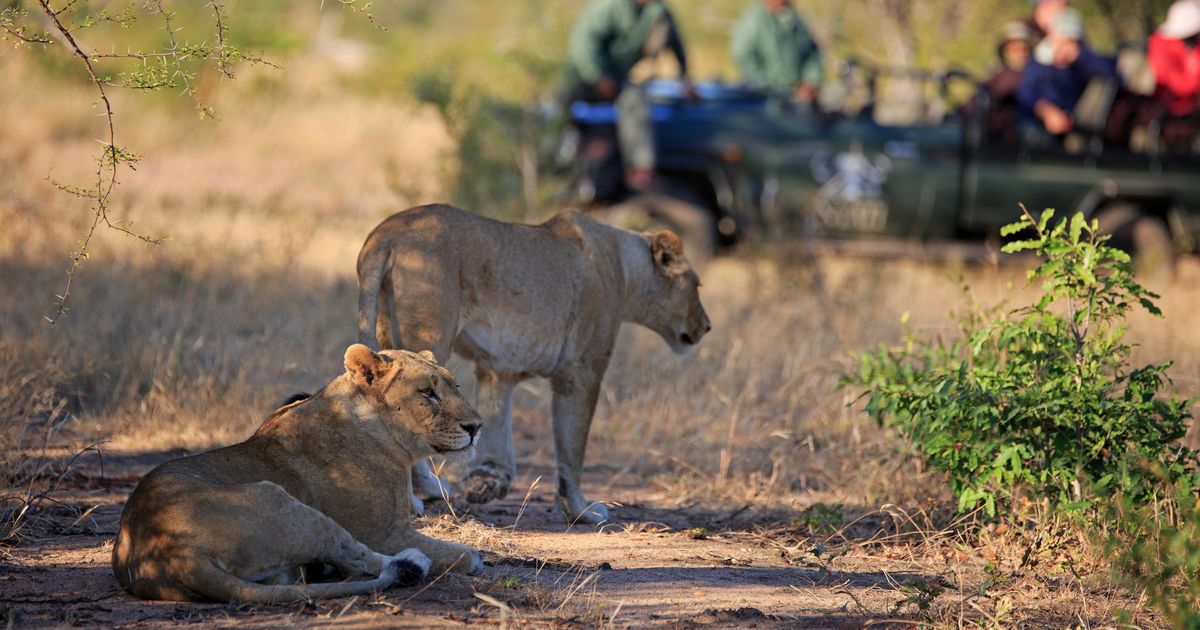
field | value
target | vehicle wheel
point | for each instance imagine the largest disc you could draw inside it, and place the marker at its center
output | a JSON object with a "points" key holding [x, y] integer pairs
{"points": [[1153, 250], [693, 223], [1145, 237]]}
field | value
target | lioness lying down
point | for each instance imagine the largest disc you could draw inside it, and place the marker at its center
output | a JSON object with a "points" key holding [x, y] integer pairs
{"points": [[312, 491], [521, 301]]}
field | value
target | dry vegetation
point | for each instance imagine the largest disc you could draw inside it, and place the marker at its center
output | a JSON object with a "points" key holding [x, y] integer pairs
{"points": [[745, 458]]}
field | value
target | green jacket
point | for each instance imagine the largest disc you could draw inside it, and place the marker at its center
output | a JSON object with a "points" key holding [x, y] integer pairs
{"points": [[776, 51], [610, 37]]}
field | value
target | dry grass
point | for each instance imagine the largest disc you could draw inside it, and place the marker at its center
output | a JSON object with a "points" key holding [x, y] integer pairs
{"points": [[190, 343]]}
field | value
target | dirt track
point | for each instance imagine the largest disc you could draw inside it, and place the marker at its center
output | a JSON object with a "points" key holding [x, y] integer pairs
{"points": [[652, 567]]}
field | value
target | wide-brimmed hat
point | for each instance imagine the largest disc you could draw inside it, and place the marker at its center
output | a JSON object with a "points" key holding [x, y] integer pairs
{"points": [[1183, 20], [1018, 32]]}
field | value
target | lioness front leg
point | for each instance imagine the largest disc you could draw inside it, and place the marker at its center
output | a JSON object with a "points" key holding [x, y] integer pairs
{"points": [[443, 555], [572, 408], [492, 478], [426, 484]]}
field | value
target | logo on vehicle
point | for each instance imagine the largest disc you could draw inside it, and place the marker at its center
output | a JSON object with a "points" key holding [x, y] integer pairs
{"points": [[851, 193]]}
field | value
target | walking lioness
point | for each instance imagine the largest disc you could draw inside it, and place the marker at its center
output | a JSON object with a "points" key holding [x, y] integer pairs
{"points": [[314, 488], [520, 301]]}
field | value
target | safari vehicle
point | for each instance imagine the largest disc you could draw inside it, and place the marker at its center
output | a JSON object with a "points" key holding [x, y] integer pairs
{"points": [[736, 164]]}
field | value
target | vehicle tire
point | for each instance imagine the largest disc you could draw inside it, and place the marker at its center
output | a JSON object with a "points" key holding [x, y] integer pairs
{"points": [[694, 224], [1144, 237], [1153, 249]]}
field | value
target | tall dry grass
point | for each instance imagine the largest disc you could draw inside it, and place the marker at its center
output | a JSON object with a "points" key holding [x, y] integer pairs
{"points": [[190, 343]]}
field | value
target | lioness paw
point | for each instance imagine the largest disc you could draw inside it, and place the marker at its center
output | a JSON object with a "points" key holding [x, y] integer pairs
{"points": [[581, 511], [411, 566], [475, 565], [418, 506], [485, 484]]}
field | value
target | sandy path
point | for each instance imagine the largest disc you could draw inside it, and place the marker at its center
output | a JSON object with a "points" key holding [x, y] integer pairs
{"points": [[646, 569]]}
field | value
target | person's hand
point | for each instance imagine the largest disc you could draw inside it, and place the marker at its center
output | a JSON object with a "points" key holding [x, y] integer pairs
{"points": [[606, 87], [1056, 121], [804, 92], [689, 89]]}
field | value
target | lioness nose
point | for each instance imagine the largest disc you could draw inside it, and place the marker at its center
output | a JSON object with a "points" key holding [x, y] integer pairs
{"points": [[471, 428]]}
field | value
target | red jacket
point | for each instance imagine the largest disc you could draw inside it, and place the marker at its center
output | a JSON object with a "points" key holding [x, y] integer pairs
{"points": [[1177, 72]]}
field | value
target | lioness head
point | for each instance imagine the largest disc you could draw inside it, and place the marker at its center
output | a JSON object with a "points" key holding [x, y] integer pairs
{"points": [[433, 417], [677, 314]]}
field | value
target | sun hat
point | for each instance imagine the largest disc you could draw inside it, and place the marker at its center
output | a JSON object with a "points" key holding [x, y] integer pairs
{"points": [[1069, 24], [1018, 31], [1183, 20]]}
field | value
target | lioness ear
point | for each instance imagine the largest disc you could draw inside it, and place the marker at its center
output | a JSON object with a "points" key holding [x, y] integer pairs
{"points": [[363, 365], [667, 251], [427, 355]]}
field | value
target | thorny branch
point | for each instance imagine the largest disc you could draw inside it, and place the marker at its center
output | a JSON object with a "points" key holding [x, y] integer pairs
{"points": [[363, 10], [159, 69], [106, 170]]}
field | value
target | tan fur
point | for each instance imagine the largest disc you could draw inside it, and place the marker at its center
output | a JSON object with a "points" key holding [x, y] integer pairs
{"points": [[315, 484], [521, 301]]}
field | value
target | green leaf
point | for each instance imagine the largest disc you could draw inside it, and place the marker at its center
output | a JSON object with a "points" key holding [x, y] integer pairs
{"points": [[1077, 223], [1047, 214]]}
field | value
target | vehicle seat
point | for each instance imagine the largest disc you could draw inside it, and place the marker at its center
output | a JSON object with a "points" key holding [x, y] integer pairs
{"points": [[1091, 113], [1133, 67]]}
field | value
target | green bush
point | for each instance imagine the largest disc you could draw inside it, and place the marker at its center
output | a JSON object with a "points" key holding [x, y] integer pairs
{"points": [[1156, 548], [1039, 401]]}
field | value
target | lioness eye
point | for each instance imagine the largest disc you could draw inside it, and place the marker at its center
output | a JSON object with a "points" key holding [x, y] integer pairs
{"points": [[430, 395]]}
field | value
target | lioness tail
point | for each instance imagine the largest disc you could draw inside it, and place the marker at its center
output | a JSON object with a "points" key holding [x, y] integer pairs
{"points": [[371, 268], [221, 585]]}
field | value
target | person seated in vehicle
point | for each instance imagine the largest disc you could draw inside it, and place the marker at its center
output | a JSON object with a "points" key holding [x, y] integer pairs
{"points": [[609, 38], [1054, 82], [1014, 52], [774, 50], [1174, 54], [1175, 57]]}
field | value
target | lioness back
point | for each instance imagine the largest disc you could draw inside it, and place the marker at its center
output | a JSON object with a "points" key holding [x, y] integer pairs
{"points": [[515, 288]]}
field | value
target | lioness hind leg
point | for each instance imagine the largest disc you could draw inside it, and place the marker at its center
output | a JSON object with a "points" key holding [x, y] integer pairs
{"points": [[231, 537], [286, 534], [318, 538], [493, 477]]}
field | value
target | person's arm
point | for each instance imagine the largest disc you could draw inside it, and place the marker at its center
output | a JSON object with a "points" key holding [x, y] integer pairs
{"points": [[1095, 65], [813, 70], [1032, 103], [587, 41], [675, 42], [745, 50]]}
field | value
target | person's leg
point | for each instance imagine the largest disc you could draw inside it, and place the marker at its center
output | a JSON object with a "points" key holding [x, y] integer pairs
{"points": [[635, 134]]}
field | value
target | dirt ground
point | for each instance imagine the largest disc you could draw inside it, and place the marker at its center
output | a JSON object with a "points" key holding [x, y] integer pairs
{"points": [[653, 567], [659, 564]]}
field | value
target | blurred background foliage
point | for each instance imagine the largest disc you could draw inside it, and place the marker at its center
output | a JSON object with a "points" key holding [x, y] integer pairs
{"points": [[489, 68], [513, 49]]}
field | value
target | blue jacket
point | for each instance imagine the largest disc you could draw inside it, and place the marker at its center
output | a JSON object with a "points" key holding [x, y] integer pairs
{"points": [[1062, 86]]}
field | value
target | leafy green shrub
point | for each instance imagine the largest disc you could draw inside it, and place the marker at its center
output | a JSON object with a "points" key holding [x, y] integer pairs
{"points": [[1039, 401], [1156, 548]]}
